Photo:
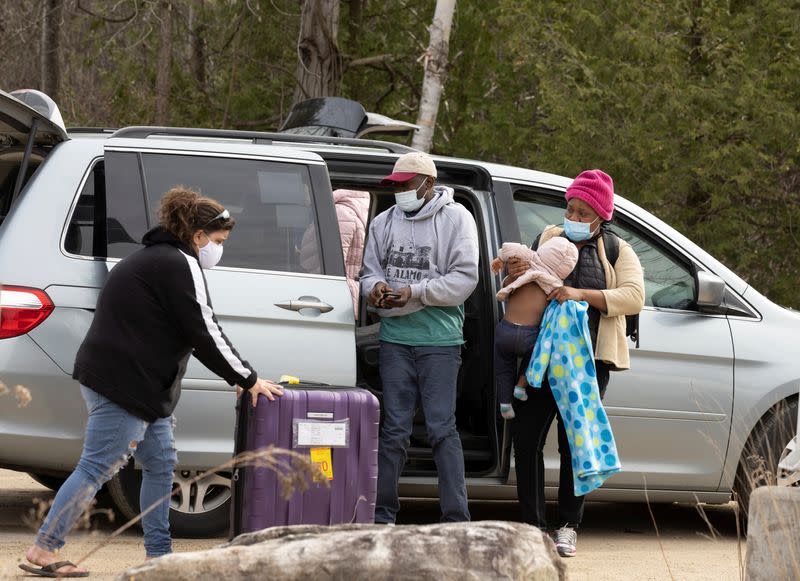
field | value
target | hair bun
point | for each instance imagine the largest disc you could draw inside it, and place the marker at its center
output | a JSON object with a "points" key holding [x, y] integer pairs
{"points": [[183, 211], [178, 211], [181, 200]]}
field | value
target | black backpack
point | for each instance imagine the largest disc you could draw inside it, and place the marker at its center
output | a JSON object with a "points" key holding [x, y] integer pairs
{"points": [[611, 243]]}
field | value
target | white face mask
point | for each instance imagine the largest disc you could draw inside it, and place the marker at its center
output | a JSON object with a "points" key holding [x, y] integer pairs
{"points": [[408, 200], [210, 254]]}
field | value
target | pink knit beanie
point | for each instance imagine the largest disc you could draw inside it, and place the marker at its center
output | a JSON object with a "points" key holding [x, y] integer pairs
{"points": [[596, 188]]}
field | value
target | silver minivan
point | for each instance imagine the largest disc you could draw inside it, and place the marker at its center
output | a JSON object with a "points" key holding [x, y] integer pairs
{"points": [[710, 398]]}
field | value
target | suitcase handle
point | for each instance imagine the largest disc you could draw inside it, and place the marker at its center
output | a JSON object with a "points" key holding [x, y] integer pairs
{"points": [[304, 384], [237, 483]]}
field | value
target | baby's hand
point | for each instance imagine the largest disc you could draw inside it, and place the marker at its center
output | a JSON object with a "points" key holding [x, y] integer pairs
{"points": [[497, 265]]}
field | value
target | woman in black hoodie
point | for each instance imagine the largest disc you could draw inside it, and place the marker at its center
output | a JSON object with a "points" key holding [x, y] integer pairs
{"points": [[152, 314]]}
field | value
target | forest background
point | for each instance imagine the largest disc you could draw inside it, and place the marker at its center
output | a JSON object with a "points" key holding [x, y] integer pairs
{"points": [[693, 106]]}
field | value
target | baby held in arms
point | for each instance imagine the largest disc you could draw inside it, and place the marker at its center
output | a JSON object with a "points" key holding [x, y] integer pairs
{"points": [[515, 336]]}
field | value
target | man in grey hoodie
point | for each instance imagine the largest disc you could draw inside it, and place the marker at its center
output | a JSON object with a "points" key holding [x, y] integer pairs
{"points": [[420, 265]]}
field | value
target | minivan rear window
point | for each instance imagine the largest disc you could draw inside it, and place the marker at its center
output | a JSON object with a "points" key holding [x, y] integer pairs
{"points": [[10, 161]]}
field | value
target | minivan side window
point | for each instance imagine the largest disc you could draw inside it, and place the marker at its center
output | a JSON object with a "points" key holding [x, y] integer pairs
{"points": [[669, 282], [535, 212], [126, 218], [272, 204]]}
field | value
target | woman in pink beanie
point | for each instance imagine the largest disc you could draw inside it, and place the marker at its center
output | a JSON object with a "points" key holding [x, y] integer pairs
{"points": [[612, 290]]}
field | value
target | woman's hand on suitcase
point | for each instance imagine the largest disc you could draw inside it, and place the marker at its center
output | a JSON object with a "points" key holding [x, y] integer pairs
{"points": [[263, 386]]}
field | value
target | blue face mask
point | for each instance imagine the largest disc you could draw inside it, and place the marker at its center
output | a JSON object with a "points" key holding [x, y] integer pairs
{"points": [[408, 200], [578, 231]]}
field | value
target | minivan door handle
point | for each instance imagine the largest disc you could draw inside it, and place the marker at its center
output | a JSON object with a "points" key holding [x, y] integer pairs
{"points": [[305, 303]]}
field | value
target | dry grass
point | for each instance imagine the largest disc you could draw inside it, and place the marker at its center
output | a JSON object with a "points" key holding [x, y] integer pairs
{"points": [[658, 535], [759, 467], [21, 393], [294, 471], [87, 520]]}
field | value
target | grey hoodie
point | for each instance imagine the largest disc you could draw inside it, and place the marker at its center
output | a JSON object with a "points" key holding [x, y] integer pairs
{"points": [[434, 252]]}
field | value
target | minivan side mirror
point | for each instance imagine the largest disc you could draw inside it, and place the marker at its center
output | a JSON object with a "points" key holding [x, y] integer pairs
{"points": [[710, 290]]}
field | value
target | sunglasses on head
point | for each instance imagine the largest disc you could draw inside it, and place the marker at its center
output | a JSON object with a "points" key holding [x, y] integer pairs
{"points": [[224, 215]]}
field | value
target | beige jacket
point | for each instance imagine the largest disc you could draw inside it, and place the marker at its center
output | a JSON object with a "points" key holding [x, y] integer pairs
{"points": [[624, 296]]}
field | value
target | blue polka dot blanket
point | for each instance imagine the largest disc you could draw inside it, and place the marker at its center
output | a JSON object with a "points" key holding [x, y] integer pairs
{"points": [[564, 351]]}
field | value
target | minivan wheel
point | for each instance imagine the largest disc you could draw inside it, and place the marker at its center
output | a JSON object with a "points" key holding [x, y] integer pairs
{"points": [[200, 509], [771, 441]]}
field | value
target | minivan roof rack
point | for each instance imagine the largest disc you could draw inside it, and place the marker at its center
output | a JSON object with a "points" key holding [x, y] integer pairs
{"points": [[91, 129], [258, 137]]}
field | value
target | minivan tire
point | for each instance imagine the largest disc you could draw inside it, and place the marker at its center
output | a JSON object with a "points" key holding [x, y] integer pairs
{"points": [[758, 465], [124, 489]]}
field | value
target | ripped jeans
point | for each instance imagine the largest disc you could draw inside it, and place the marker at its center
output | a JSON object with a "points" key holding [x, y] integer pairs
{"points": [[112, 435]]}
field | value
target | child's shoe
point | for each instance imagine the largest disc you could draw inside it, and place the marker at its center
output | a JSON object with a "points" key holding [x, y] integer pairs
{"points": [[521, 392], [507, 411]]}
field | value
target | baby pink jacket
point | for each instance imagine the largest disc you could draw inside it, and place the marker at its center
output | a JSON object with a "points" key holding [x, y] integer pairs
{"points": [[352, 211], [549, 265]]}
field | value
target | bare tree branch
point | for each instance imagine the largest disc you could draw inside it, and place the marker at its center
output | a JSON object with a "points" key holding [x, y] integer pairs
{"points": [[236, 28], [135, 13], [367, 61]]}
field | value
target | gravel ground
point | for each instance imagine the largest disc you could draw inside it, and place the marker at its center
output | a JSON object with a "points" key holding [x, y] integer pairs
{"points": [[616, 541]]}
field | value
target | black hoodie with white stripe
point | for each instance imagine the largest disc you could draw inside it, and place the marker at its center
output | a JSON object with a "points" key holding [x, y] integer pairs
{"points": [[152, 314]]}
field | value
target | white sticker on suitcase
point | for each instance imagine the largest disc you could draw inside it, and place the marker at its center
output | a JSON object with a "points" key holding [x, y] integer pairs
{"points": [[310, 433], [320, 415]]}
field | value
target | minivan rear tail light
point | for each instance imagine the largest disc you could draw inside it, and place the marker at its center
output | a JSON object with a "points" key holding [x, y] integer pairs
{"points": [[22, 309]]}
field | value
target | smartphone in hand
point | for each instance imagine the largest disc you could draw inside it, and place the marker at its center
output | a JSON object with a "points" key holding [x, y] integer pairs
{"points": [[387, 295]]}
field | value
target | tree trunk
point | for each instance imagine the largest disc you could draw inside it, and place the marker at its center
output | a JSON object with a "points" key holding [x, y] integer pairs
{"points": [[354, 25], [198, 44], [319, 70], [51, 40], [164, 63], [435, 73]]}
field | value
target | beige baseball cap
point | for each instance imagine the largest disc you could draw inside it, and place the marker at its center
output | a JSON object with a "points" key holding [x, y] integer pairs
{"points": [[410, 165]]}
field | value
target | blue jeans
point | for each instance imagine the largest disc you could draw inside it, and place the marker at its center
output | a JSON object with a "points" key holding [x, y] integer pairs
{"points": [[511, 342], [112, 436], [410, 376]]}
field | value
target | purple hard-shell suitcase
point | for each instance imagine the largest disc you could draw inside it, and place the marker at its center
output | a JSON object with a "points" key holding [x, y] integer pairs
{"points": [[308, 415]]}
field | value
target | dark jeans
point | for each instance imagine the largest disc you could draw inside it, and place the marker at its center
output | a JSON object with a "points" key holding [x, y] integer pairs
{"points": [[427, 376], [529, 429], [511, 342]]}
